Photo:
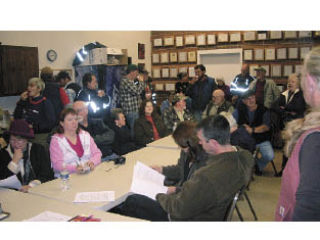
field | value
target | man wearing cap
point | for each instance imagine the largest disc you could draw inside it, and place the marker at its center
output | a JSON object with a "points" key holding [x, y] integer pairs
{"points": [[256, 120], [176, 113], [200, 90], [266, 90], [28, 161], [217, 105], [130, 91]]}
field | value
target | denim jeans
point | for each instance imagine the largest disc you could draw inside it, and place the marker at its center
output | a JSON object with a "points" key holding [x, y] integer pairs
{"points": [[267, 153], [131, 117]]}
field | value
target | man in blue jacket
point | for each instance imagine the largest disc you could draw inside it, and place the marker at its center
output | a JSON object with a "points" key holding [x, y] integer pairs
{"points": [[200, 91]]}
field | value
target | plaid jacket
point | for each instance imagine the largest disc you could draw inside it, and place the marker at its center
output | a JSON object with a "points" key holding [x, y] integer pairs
{"points": [[130, 95], [170, 117]]}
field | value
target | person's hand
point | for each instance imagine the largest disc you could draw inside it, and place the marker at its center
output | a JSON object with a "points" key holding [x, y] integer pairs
{"points": [[194, 80], [3, 143], [24, 188], [24, 96], [17, 155], [90, 165], [80, 169], [101, 93], [248, 128], [171, 190], [157, 168]]}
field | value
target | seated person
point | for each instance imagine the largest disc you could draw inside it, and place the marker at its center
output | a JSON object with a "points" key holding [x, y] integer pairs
{"points": [[192, 156], [149, 126], [256, 120], [28, 161], [176, 113], [102, 135], [225, 88], [71, 148], [123, 142], [217, 105], [208, 193]]}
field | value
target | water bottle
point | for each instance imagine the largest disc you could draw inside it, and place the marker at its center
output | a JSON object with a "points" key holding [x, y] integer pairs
{"points": [[64, 175]]}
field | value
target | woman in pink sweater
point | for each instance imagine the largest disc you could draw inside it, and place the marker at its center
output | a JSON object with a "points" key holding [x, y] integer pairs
{"points": [[71, 148]]}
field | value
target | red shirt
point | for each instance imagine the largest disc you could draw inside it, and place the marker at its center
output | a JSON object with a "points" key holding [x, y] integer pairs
{"points": [[154, 128], [77, 147]]}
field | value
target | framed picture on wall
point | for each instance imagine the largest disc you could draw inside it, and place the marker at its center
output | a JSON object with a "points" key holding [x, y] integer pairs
{"points": [[270, 54], [173, 72], [192, 56], [293, 53], [170, 87], [290, 34], [275, 35], [281, 53], [165, 72], [190, 40], [262, 36], [267, 68], [155, 58], [179, 41], [182, 56], [249, 36], [248, 54], [298, 68], [304, 51], [252, 71], [211, 39], [191, 72], [156, 72], [159, 87], [173, 57], [164, 57], [276, 70], [157, 42], [259, 54], [287, 70], [223, 37], [305, 34], [201, 40], [169, 41], [183, 70], [235, 37]]}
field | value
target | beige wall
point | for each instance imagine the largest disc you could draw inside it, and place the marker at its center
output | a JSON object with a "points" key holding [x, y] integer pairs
{"points": [[67, 43]]}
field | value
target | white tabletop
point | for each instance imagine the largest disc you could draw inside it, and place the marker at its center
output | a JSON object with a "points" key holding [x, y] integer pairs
{"points": [[166, 142], [107, 177], [23, 206]]}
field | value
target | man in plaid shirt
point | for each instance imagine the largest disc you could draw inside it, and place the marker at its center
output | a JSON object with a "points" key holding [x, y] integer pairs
{"points": [[130, 94]]}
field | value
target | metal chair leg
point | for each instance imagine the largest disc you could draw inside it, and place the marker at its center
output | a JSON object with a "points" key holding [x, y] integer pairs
{"points": [[250, 206], [274, 169], [239, 214]]}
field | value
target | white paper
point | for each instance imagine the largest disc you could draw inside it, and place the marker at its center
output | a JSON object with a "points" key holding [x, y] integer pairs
{"points": [[11, 182], [103, 196], [48, 216], [147, 181]]}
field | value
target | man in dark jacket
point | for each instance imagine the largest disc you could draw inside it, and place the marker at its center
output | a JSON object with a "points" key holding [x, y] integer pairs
{"points": [[200, 90], [72, 89], [102, 135], [207, 195]]}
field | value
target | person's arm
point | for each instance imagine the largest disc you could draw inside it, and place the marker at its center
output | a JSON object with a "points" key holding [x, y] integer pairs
{"points": [[235, 115], [106, 136], [18, 111], [64, 97], [95, 153], [50, 120], [173, 172], [264, 127], [167, 119]]}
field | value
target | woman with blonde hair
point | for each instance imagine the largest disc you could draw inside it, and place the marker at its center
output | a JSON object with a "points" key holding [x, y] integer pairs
{"points": [[300, 192]]}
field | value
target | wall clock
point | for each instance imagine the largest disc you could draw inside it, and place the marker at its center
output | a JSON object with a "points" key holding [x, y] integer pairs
{"points": [[52, 55]]}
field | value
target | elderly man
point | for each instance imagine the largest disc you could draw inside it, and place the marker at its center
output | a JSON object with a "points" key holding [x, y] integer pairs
{"points": [[202, 197], [217, 105], [101, 133], [266, 90], [176, 113], [256, 120]]}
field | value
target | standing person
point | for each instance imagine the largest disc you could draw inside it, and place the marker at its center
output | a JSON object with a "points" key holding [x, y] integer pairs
{"points": [[96, 100], [266, 90], [176, 113], [37, 110], [300, 192], [256, 120], [200, 90], [72, 148], [240, 84], [71, 88], [28, 161], [217, 105], [130, 91], [149, 126], [208, 193], [192, 156]]}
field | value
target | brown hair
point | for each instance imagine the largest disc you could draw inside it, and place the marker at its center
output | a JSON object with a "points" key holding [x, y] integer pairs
{"points": [[143, 106], [63, 115]]}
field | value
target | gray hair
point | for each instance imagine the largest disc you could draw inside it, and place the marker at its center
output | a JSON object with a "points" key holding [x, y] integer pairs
{"points": [[38, 82]]}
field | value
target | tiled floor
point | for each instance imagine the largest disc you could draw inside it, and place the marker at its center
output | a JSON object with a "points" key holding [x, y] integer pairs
{"points": [[263, 194]]}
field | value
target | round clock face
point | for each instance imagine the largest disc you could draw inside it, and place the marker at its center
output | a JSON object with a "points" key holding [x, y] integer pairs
{"points": [[52, 55]]}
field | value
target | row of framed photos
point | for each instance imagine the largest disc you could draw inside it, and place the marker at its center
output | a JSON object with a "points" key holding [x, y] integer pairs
{"points": [[172, 72], [277, 70], [270, 54], [174, 57], [212, 39]]}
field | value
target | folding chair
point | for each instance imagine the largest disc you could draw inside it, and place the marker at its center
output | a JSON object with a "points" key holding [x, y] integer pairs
{"points": [[232, 206], [256, 153]]}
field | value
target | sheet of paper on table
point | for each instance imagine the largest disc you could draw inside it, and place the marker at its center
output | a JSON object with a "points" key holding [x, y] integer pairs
{"points": [[11, 182], [147, 181], [48, 216], [103, 196]]}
